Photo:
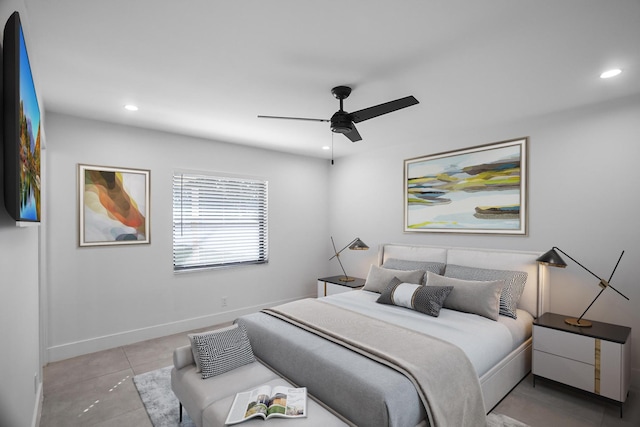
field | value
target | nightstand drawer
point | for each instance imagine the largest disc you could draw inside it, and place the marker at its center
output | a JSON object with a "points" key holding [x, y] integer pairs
{"points": [[571, 346], [567, 371]]}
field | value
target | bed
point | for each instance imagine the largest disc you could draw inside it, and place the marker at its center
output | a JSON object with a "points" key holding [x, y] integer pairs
{"points": [[367, 387]]}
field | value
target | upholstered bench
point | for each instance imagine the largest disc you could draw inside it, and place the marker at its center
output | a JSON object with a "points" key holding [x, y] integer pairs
{"points": [[208, 401], [216, 414]]}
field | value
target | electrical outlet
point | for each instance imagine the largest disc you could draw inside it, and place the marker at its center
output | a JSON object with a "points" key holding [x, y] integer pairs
{"points": [[223, 301]]}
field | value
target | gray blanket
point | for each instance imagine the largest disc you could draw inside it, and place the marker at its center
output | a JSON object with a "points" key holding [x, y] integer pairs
{"points": [[442, 374], [364, 391]]}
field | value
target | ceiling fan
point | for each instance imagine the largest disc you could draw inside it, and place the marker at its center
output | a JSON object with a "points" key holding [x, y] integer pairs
{"points": [[343, 122]]}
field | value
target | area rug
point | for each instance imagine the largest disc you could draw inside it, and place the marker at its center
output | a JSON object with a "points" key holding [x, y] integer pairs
{"points": [[162, 405]]}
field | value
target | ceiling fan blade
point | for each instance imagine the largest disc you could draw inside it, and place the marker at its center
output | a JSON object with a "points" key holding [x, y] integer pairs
{"points": [[354, 135], [293, 118], [378, 110]]}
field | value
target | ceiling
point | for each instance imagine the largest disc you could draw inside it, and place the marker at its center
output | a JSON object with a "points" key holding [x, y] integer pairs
{"points": [[207, 68]]}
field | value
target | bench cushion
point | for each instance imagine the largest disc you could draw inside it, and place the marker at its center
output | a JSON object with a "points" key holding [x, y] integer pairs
{"points": [[216, 414], [196, 394]]}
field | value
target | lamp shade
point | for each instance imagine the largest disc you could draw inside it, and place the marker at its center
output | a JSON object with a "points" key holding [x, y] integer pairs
{"points": [[358, 245], [552, 258]]}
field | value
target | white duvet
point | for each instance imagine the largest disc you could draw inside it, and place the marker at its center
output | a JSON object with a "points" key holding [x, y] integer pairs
{"points": [[484, 341]]}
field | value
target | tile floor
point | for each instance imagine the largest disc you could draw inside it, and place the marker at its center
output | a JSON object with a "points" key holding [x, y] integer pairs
{"points": [[97, 390], [550, 404]]}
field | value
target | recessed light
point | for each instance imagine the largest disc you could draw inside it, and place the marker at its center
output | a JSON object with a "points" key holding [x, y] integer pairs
{"points": [[131, 107], [610, 73], [326, 147]]}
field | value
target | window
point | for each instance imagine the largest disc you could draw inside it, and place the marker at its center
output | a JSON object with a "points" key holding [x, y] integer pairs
{"points": [[218, 221]]}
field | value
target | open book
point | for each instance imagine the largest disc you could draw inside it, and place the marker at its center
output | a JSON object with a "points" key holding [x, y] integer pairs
{"points": [[267, 402]]}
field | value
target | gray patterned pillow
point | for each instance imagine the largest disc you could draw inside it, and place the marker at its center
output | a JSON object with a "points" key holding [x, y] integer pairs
{"points": [[223, 350], [512, 291], [403, 264], [425, 299]]}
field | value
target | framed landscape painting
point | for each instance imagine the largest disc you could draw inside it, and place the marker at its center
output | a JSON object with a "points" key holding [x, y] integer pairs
{"points": [[113, 205], [481, 189]]}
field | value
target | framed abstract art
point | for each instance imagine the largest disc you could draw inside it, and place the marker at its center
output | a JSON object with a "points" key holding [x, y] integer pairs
{"points": [[481, 189], [113, 206]]}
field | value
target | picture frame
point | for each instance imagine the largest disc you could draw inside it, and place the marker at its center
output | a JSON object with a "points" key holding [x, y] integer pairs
{"points": [[481, 189], [113, 205]]}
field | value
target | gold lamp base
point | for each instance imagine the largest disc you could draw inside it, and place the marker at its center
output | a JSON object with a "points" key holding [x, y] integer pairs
{"points": [[574, 322], [346, 279]]}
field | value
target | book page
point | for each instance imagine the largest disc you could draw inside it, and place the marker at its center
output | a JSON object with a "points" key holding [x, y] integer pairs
{"points": [[258, 401], [288, 402], [238, 409], [249, 404]]}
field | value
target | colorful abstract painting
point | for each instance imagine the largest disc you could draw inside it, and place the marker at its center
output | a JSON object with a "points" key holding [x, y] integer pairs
{"points": [[114, 206], [30, 133], [476, 190]]}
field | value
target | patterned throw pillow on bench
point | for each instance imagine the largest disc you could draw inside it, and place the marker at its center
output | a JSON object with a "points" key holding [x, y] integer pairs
{"points": [[221, 350]]}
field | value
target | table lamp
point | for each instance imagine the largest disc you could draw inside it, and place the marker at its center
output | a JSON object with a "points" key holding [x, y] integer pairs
{"points": [[355, 245], [554, 259]]}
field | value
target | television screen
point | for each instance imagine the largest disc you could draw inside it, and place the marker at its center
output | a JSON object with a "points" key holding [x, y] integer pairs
{"points": [[22, 128]]}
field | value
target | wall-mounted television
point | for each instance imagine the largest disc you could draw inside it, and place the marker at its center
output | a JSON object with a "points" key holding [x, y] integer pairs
{"points": [[21, 128]]}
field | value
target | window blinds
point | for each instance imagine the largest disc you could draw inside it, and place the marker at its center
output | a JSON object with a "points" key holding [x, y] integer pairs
{"points": [[218, 221]]}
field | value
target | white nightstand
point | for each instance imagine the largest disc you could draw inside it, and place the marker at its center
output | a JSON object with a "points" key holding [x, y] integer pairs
{"points": [[333, 285], [595, 359]]}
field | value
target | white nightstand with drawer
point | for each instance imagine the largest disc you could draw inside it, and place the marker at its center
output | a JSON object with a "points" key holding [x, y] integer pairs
{"points": [[595, 359]]}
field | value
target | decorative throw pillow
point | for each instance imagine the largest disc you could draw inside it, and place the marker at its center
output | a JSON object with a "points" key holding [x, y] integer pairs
{"points": [[513, 287], [403, 264], [482, 298], [223, 350], [194, 346], [378, 278], [425, 299]]}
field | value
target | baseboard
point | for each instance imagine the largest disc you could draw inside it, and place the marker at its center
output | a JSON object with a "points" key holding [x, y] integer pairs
{"points": [[78, 348], [37, 410]]}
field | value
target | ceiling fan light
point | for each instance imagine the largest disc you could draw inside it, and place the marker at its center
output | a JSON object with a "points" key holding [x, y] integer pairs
{"points": [[610, 73], [341, 128], [341, 122]]}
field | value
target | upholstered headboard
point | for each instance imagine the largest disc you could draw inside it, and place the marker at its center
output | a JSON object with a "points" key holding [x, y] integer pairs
{"points": [[534, 295]]}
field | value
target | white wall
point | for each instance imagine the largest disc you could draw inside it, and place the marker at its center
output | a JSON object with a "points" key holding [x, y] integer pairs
{"points": [[20, 372], [583, 198], [101, 297], [19, 322]]}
